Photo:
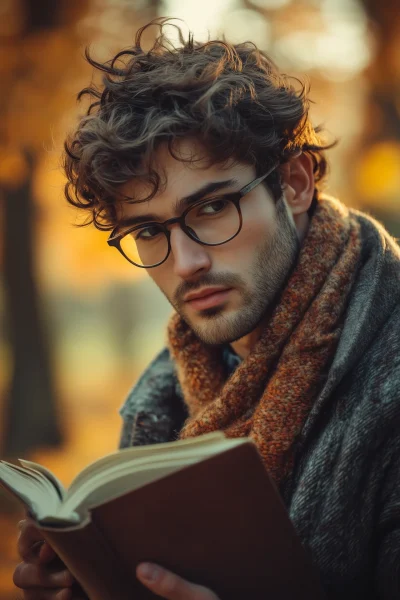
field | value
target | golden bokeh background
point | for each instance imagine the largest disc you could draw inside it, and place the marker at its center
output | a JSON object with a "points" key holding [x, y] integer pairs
{"points": [[77, 323]]}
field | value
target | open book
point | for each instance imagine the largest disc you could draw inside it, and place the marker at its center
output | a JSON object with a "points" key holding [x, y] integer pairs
{"points": [[203, 507], [105, 479]]}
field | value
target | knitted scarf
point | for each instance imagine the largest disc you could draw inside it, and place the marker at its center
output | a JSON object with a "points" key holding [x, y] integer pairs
{"points": [[270, 394]]}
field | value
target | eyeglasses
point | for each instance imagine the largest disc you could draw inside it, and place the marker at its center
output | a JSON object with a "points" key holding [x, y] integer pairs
{"points": [[211, 222]]}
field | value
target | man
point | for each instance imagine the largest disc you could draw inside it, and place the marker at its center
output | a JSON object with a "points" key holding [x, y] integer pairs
{"points": [[204, 164]]}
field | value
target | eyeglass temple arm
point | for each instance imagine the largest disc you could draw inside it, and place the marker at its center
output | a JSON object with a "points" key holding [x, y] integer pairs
{"points": [[252, 184]]}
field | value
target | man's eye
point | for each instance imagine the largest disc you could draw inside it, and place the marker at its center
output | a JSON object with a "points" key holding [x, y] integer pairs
{"points": [[214, 207], [147, 233]]}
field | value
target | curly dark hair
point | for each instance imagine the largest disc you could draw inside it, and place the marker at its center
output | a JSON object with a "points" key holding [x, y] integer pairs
{"points": [[232, 98]]}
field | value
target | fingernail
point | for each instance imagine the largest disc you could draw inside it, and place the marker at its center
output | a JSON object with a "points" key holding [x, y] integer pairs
{"points": [[148, 571]]}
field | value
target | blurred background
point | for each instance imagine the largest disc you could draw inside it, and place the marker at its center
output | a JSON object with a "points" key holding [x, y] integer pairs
{"points": [[78, 323]]}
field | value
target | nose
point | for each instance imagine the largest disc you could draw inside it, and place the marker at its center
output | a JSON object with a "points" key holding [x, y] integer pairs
{"points": [[190, 258]]}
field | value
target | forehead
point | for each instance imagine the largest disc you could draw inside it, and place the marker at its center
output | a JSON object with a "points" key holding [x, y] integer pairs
{"points": [[179, 178]]}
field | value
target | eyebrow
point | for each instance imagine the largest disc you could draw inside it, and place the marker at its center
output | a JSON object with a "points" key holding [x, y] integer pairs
{"points": [[182, 203]]}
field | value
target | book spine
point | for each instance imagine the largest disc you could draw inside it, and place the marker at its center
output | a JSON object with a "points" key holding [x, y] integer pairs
{"points": [[91, 561]]}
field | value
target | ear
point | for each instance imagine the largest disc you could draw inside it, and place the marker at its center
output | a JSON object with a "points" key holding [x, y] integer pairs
{"points": [[298, 184]]}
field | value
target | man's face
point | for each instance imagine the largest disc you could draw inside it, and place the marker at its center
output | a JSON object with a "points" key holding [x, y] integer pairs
{"points": [[245, 274]]}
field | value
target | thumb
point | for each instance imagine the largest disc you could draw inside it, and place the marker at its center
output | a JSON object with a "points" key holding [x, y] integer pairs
{"points": [[170, 586]]}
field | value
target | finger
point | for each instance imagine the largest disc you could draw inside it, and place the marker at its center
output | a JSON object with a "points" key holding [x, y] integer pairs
{"points": [[29, 539], [28, 575], [31, 546], [169, 585]]}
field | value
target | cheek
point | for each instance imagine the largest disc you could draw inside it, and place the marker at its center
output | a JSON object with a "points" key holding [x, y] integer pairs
{"points": [[257, 229], [259, 220], [239, 255]]}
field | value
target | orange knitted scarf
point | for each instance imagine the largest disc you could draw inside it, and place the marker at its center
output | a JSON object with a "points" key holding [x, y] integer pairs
{"points": [[271, 392]]}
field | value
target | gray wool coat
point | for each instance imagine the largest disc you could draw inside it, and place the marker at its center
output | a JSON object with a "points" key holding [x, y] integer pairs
{"points": [[343, 495]]}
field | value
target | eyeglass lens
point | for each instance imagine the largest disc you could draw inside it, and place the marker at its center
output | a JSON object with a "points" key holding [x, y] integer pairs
{"points": [[212, 222]]}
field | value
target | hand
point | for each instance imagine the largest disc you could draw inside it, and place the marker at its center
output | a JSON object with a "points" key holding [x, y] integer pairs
{"points": [[41, 574], [171, 586]]}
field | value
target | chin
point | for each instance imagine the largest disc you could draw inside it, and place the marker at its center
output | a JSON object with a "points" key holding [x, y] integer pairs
{"points": [[215, 326]]}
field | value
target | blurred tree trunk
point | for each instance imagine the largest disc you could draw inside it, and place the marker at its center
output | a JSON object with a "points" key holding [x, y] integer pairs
{"points": [[384, 72], [380, 144], [31, 411], [31, 417]]}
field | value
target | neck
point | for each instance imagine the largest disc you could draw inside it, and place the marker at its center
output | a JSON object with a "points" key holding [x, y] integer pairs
{"points": [[243, 346]]}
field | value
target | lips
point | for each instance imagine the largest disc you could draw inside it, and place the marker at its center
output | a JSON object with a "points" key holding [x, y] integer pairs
{"points": [[208, 298], [204, 293]]}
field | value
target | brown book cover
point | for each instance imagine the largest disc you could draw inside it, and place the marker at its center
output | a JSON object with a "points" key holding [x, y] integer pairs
{"points": [[219, 523]]}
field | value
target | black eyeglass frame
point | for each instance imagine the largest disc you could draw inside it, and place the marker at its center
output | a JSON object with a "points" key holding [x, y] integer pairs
{"points": [[235, 197]]}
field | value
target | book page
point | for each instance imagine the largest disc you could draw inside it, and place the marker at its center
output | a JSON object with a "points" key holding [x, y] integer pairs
{"points": [[116, 459], [34, 490], [48, 474], [115, 480]]}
